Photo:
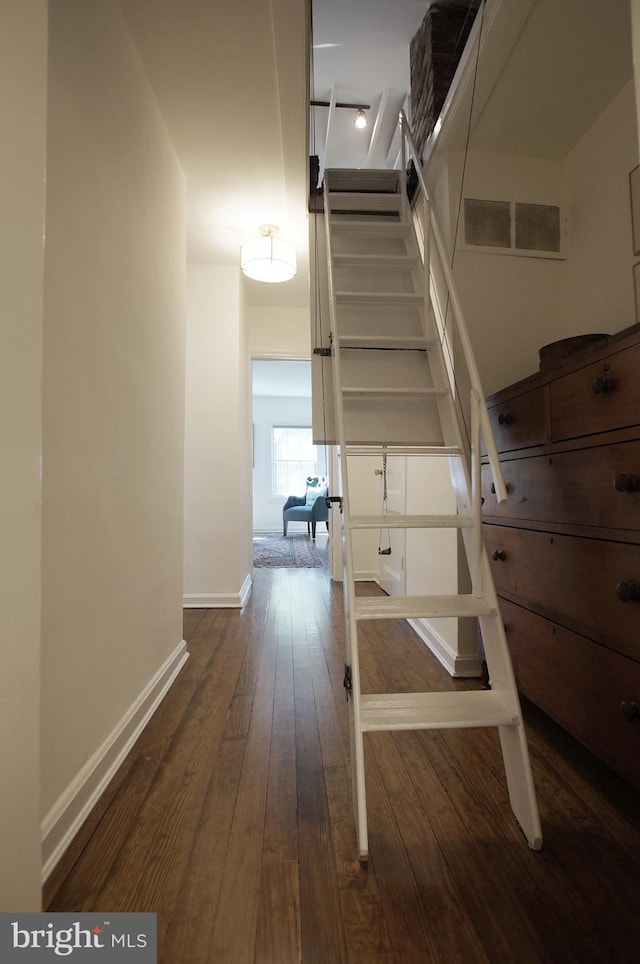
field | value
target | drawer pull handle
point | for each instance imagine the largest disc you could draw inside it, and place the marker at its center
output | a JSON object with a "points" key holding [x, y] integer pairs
{"points": [[600, 386], [628, 591], [493, 488], [625, 483], [498, 555], [630, 710], [504, 418]]}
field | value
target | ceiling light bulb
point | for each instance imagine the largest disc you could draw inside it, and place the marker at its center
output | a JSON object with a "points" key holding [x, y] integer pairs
{"points": [[361, 119]]}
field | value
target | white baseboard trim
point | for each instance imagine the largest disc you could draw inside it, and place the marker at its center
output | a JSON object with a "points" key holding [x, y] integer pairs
{"points": [[71, 809], [456, 665], [366, 575], [235, 600], [390, 580], [245, 591]]}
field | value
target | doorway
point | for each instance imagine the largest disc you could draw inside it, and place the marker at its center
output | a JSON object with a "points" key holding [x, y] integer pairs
{"points": [[283, 458]]}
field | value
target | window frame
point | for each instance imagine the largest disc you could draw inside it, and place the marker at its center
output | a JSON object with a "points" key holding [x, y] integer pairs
{"points": [[275, 494]]}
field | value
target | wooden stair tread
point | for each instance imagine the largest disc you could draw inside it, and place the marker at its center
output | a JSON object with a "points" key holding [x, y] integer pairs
{"points": [[376, 260], [365, 201], [379, 297], [410, 522], [417, 342], [370, 390], [414, 711], [369, 228], [379, 449], [377, 180], [420, 607]]}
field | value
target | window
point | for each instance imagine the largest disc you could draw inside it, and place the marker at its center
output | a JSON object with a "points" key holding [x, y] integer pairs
{"points": [[294, 458]]}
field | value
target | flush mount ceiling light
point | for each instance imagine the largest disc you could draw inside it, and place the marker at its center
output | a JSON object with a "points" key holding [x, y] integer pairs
{"points": [[268, 258], [361, 119]]}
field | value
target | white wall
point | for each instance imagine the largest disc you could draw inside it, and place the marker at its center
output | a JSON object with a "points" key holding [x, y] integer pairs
{"points": [[113, 391], [218, 562], [278, 332], [245, 455], [432, 566], [512, 305], [515, 305], [600, 294], [23, 79]]}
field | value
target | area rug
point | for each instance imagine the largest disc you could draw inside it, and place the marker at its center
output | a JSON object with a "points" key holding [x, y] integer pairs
{"points": [[295, 551]]}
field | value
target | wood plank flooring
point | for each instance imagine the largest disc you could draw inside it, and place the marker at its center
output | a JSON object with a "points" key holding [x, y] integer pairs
{"points": [[232, 816]]}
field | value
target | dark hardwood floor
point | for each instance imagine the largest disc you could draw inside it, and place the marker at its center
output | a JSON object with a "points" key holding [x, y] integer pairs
{"points": [[232, 817]]}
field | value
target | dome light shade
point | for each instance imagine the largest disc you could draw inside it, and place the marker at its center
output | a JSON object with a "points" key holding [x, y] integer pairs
{"points": [[268, 258]]}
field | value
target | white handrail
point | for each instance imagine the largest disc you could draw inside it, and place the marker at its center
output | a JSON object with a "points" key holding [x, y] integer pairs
{"points": [[463, 333]]}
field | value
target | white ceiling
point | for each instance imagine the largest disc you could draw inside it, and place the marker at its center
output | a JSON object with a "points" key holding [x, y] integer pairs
{"points": [[232, 82], [568, 62]]}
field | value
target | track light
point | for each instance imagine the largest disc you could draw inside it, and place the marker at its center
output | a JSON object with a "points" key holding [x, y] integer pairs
{"points": [[361, 119]]}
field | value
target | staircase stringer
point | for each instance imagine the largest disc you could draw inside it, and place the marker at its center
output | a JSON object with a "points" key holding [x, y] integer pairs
{"points": [[352, 656]]}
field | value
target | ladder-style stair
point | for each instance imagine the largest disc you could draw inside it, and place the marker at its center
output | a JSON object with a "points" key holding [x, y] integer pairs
{"points": [[393, 395]]}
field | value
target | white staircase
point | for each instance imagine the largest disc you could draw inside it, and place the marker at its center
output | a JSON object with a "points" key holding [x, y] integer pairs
{"points": [[394, 394]]}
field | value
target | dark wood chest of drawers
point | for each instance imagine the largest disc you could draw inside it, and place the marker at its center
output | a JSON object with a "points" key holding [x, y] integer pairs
{"points": [[565, 546]]}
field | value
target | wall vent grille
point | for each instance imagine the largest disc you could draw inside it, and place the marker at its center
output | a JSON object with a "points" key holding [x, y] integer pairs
{"points": [[514, 227]]}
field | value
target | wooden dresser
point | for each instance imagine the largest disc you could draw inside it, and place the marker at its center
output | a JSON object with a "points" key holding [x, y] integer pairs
{"points": [[565, 546]]}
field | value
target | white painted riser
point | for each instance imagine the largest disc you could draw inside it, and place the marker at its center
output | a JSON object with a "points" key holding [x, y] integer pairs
{"points": [[373, 320], [371, 278], [381, 369], [404, 421]]}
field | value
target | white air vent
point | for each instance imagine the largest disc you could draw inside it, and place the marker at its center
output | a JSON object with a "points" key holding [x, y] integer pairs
{"points": [[514, 227]]}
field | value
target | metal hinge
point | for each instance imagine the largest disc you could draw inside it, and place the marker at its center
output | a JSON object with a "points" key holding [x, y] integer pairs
{"points": [[325, 352], [347, 682], [329, 499]]}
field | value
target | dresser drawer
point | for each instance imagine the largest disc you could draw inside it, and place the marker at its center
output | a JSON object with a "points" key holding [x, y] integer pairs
{"points": [[598, 397], [586, 487], [571, 580], [520, 422], [580, 684]]}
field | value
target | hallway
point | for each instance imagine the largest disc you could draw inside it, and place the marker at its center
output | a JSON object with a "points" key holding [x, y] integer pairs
{"points": [[232, 816]]}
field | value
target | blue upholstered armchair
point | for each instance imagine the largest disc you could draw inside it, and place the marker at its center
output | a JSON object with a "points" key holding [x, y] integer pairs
{"points": [[310, 507]]}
